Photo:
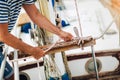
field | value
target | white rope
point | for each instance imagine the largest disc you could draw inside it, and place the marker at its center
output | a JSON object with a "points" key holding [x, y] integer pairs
{"points": [[76, 7], [107, 28], [52, 45]]}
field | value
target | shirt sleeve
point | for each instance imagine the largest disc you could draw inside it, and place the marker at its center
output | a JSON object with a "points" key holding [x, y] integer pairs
{"points": [[3, 11], [29, 2]]}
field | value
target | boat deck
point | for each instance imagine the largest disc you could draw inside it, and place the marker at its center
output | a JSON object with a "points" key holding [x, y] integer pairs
{"points": [[94, 19]]}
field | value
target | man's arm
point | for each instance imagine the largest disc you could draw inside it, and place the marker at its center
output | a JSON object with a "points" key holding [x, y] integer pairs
{"points": [[11, 40], [43, 22]]}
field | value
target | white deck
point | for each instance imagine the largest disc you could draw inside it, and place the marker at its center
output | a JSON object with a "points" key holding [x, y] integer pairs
{"points": [[91, 25]]}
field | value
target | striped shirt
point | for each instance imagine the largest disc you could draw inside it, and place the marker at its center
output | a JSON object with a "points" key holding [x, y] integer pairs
{"points": [[10, 9]]}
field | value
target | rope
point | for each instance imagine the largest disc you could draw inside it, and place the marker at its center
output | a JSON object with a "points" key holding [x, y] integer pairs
{"points": [[52, 68], [52, 46], [76, 7], [115, 17]]}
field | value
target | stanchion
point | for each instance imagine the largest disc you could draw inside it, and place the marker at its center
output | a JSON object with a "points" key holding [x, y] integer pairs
{"points": [[95, 63], [16, 67], [39, 73], [3, 63]]}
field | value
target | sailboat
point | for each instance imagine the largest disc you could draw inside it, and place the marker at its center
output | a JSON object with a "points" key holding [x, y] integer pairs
{"points": [[95, 28]]}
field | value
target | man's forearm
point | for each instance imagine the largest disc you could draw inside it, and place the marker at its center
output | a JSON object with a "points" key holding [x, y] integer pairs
{"points": [[40, 20], [43, 22], [11, 40], [46, 24]]}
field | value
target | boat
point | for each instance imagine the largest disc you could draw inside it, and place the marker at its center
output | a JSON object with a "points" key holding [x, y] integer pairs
{"points": [[94, 23]]}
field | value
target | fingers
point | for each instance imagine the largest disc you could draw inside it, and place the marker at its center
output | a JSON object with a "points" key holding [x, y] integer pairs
{"points": [[38, 53], [38, 56], [68, 37]]}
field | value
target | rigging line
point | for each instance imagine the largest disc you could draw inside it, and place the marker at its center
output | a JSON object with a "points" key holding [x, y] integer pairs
{"points": [[51, 65], [76, 6], [52, 45], [114, 18]]}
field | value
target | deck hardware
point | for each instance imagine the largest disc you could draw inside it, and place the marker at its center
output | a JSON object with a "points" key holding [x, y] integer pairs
{"points": [[3, 62], [95, 63]]}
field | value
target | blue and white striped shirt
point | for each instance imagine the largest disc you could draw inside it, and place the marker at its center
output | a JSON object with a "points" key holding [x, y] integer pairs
{"points": [[10, 9]]}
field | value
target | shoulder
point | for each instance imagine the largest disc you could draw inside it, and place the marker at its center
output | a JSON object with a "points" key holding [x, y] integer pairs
{"points": [[3, 1], [29, 1]]}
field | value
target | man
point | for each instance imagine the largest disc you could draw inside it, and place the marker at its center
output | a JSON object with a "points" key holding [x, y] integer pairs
{"points": [[9, 11]]}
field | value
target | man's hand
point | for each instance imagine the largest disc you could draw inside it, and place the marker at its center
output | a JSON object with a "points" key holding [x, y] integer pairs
{"points": [[37, 53], [65, 36]]}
